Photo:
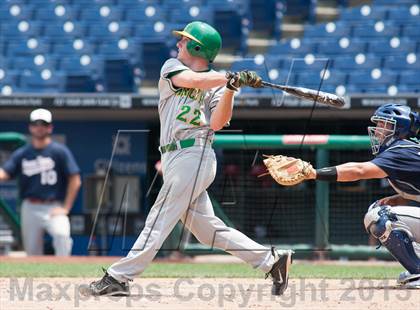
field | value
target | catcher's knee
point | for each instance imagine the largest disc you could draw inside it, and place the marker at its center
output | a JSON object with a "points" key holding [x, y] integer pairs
{"points": [[395, 235]]}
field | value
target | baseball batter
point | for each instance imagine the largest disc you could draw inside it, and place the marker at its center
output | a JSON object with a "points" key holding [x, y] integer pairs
{"points": [[195, 101]]}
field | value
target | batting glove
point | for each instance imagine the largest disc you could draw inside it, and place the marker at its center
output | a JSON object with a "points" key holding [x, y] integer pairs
{"points": [[249, 78], [233, 82]]}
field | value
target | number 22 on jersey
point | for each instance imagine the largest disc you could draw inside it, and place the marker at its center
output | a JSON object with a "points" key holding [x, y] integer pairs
{"points": [[192, 118]]}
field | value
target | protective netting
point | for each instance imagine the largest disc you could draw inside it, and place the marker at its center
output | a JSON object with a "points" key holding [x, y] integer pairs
{"points": [[270, 213]]}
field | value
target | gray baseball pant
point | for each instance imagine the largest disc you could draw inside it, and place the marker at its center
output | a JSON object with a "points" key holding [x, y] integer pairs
{"points": [[35, 220], [187, 173]]}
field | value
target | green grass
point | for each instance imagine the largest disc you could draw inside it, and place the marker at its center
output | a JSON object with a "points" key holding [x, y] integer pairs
{"points": [[162, 270]]}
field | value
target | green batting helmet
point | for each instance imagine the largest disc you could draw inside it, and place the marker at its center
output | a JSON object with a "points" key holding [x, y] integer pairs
{"points": [[205, 41]]}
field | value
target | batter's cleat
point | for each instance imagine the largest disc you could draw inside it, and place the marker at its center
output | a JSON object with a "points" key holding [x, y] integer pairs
{"points": [[280, 271], [105, 286], [408, 280]]}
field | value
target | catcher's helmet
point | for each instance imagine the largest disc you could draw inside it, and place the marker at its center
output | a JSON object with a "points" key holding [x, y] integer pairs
{"points": [[205, 41], [393, 121]]}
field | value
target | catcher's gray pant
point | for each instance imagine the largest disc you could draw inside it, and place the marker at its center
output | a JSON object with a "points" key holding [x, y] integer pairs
{"points": [[35, 220], [186, 174]]}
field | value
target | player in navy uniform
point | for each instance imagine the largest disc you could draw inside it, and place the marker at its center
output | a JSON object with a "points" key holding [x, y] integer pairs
{"points": [[49, 181], [394, 220]]}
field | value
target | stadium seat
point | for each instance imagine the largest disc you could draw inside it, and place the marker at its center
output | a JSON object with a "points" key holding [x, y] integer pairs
{"points": [[365, 78], [38, 82], [65, 30], [18, 12], [309, 79], [152, 32], [409, 88], [402, 15], [392, 2], [363, 13], [146, 14], [134, 3], [405, 62], [8, 77], [187, 14], [76, 46], [409, 78], [98, 31], [392, 46], [82, 65], [120, 29], [21, 29], [329, 30], [35, 63], [376, 29], [342, 46], [111, 49], [307, 64], [298, 47], [48, 14], [357, 62], [411, 31], [27, 48]]}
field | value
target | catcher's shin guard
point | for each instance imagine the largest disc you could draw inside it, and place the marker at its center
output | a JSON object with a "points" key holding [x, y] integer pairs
{"points": [[384, 225]]}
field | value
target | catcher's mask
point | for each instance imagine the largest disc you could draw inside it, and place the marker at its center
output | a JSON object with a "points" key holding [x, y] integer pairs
{"points": [[393, 121]]}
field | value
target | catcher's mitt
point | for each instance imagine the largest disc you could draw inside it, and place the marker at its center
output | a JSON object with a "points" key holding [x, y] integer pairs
{"points": [[287, 170]]}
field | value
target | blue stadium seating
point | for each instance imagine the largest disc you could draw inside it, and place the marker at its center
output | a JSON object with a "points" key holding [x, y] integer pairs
{"points": [[410, 78], [364, 62], [402, 15], [57, 30], [337, 47], [411, 31], [68, 48], [34, 82], [330, 30], [398, 62], [295, 47], [92, 66], [126, 32], [363, 13], [384, 46], [371, 30]]}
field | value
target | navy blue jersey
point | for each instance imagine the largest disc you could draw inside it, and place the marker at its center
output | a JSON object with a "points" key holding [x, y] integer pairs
{"points": [[401, 162], [42, 173]]}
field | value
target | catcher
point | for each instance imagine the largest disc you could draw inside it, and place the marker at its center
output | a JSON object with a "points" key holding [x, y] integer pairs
{"points": [[394, 220]]}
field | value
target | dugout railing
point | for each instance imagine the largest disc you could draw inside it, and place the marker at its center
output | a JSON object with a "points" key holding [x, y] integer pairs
{"points": [[9, 141], [316, 219]]}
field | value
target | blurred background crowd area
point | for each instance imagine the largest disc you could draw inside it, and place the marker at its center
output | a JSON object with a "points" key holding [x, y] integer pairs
{"points": [[119, 45]]}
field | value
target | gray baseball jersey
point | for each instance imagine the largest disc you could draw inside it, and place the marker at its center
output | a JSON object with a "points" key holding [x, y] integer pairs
{"points": [[184, 112]]}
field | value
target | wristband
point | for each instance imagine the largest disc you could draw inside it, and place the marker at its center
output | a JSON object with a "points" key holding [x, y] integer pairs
{"points": [[327, 174]]}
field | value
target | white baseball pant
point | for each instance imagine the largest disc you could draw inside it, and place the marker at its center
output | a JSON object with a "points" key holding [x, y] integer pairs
{"points": [[35, 220]]}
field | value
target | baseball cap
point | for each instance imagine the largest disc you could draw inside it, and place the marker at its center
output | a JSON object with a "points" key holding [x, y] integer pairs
{"points": [[41, 115]]}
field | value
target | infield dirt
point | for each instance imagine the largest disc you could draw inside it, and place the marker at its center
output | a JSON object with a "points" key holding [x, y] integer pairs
{"points": [[198, 293]]}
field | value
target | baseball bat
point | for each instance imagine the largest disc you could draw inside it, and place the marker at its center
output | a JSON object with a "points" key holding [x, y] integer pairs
{"points": [[309, 94]]}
